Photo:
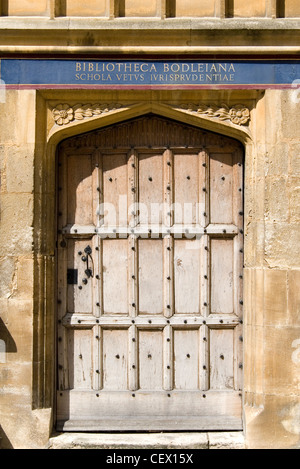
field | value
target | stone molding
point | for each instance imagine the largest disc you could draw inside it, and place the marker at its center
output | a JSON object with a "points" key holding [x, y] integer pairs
{"points": [[237, 114], [65, 114]]}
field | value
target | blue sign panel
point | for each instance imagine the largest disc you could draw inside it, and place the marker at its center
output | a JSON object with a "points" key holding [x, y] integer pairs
{"points": [[53, 73]]}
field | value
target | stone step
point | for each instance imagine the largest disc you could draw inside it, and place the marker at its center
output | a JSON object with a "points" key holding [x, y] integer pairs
{"points": [[210, 440]]}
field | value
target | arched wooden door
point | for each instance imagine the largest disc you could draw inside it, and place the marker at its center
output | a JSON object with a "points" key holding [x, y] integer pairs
{"points": [[150, 258]]}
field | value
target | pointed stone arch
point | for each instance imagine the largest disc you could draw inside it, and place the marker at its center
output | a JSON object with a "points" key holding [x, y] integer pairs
{"points": [[45, 261]]}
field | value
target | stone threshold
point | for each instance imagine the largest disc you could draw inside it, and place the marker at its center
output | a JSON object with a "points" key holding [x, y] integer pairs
{"points": [[191, 440]]}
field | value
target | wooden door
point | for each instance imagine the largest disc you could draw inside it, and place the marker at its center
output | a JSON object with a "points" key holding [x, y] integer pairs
{"points": [[150, 259]]}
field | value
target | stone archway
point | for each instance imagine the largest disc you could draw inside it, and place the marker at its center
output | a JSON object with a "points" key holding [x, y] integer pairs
{"points": [[202, 311]]}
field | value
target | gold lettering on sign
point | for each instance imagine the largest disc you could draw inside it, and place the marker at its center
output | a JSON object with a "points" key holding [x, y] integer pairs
{"points": [[149, 72]]}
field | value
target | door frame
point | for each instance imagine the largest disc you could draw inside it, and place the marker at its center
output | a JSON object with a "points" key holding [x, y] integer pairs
{"points": [[45, 355]]}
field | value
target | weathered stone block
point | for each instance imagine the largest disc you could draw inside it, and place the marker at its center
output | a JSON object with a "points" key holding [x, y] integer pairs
{"points": [[7, 276], [28, 8], [20, 329], [294, 298], [258, 296], [16, 234], [294, 198], [277, 161], [294, 159], [282, 245], [248, 9], [20, 168], [90, 8], [281, 363], [276, 199], [275, 425], [290, 127], [24, 278], [292, 8], [275, 297], [137, 8], [194, 8]]}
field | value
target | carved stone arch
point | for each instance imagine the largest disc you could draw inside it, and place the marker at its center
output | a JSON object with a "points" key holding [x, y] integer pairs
{"points": [[177, 152], [45, 220], [90, 117]]}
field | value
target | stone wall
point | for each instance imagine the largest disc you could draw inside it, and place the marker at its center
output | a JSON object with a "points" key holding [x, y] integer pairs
{"points": [[272, 276], [272, 253], [165, 8], [20, 425]]}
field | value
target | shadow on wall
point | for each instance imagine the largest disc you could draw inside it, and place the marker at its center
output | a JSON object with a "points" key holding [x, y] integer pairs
{"points": [[7, 343], [4, 441]]}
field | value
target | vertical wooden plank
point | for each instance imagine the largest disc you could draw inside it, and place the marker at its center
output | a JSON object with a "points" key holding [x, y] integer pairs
{"points": [[168, 375], [96, 243], [150, 188], [80, 199], [222, 276], [133, 297], [186, 359], [97, 188], [80, 294], [80, 358], [204, 206], [101, 211], [115, 287], [63, 382], [133, 358], [150, 276], [63, 375], [221, 359], [98, 298], [151, 360], [132, 188], [98, 358], [186, 276], [97, 312], [221, 182], [168, 276], [205, 277], [114, 169], [186, 183], [168, 184], [204, 242], [238, 261], [238, 212], [115, 359], [204, 358]]}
